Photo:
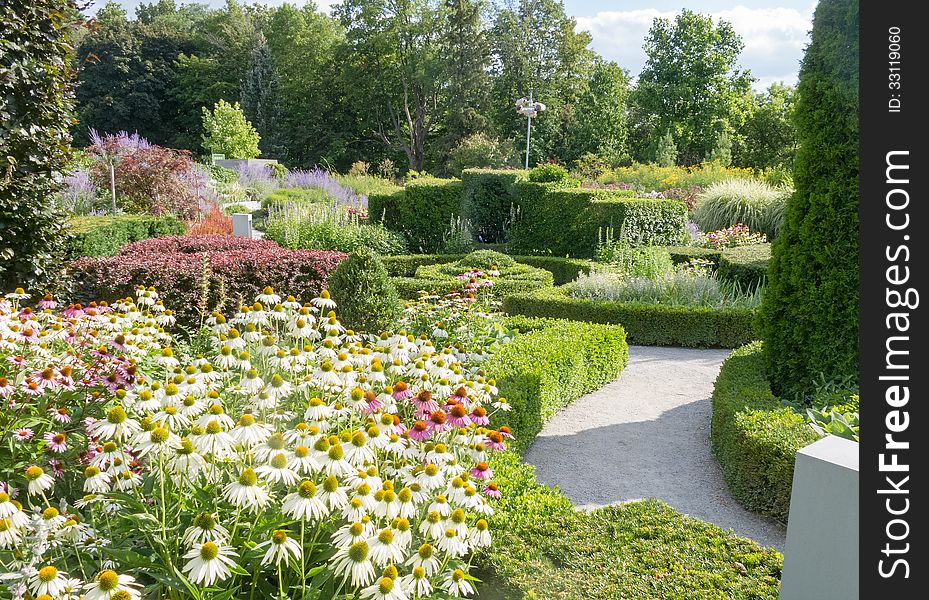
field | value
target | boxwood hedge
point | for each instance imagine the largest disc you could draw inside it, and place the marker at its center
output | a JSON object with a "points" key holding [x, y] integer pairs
{"points": [[645, 324], [754, 438], [422, 211], [487, 200], [563, 270], [104, 236], [745, 265]]}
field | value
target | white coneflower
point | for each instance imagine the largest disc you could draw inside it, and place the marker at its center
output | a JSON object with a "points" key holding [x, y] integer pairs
{"points": [[317, 410], [281, 547], [96, 481], [7, 507], [274, 445], [159, 442], [209, 563], [352, 533], [146, 402], [217, 413], [333, 462], [333, 494], [452, 544], [441, 506], [245, 492], [304, 504], [302, 462], [249, 432], [205, 528], [302, 327], [166, 358], [425, 559], [456, 583], [38, 480], [385, 548], [251, 383], [172, 418], [9, 535], [456, 521], [326, 376], [386, 505], [268, 297], [432, 527], [117, 425], [214, 441], [385, 588], [192, 406], [480, 536], [357, 452], [108, 584], [353, 563], [226, 359], [324, 301], [48, 580], [417, 582], [430, 477], [277, 470], [127, 480]]}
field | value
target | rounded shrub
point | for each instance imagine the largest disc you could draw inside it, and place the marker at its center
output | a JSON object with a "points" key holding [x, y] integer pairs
{"points": [[365, 298], [810, 309], [747, 201], [548, 173]]}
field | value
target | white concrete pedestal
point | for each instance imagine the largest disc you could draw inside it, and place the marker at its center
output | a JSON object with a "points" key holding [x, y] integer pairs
{"points": [[821, 555], [242, 225]]}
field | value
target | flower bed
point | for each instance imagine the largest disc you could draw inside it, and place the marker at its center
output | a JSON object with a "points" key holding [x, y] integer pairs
{"points": [[289, 455], [754, 437], [103, 236], [200, 274], [563, 270], [645, 324]]}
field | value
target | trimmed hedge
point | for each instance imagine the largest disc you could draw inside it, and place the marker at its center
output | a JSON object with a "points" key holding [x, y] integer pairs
{"points": [[440, 278], [544, 548], [198, 274], [550, 367], [645, 324], [553, 219], [104, 236], [745, 265], [405, 265], [564, 270], [487, 200], [682, 254], [754, 438], [422, 211]]}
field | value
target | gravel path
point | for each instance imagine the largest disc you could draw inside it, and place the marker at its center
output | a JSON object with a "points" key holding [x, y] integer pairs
{"points": [[647, 435]]}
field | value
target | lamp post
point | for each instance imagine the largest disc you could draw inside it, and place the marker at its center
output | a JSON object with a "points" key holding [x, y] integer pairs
{"points": [[529, 109]]}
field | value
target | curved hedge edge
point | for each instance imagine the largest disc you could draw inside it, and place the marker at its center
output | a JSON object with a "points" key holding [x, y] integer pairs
{"points": [[564, 270], [544, 548], [754, 438], [550, 367], [645, 324], [745, 265]]}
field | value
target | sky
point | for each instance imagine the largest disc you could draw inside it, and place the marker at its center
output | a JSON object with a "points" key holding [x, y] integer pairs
{"points": [[775, 32]]}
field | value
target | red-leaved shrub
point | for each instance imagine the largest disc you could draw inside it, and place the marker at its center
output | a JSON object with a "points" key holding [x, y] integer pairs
{"points": [[213, 222], [196, 275]]}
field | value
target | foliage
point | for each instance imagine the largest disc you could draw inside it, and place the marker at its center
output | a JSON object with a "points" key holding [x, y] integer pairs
{"points": [[362, 289], [149, 179], [545, 548], [548, 173], [223, 175], [79, 195], [600, 126], [570, 221], [283, 198], [750, 202], [810, 312], [261, 99], [487, 201], [321, 226], [753, 436], [200, 274], [689, 286], [737, 236], [645, 324], [722, 151], [417, 209], [481, 273], [691, 87], [478, 151], [548, 368], [666, 151], [770, 136], [104, 236], [36, 99], [629, 261], [458, 238], [227, 131], [214, 221], [832, 422], [265, 464], [745, 265], [652, 177]]}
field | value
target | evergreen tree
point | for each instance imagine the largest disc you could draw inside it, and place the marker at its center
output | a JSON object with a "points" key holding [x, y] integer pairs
{"points": [[666, 153], [260, 99], [722, 151], [810, 308]]}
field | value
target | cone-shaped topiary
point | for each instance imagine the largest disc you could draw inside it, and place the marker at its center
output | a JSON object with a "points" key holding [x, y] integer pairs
{"points": [[365, 298], [810, 309]]}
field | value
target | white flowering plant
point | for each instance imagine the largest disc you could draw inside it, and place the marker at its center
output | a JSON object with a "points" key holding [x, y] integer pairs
{"points": [[294, 459]]}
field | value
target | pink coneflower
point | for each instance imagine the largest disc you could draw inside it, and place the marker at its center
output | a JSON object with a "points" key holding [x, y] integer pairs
{"points": [[23, 434], [494, 441], [401, 391], [492, 491], [479, 416], [48, 301], [458, 416], [460, 396], [424, 404], [420, 431], [29, 334], [481, 471], [6, 388], [57, 467], [60, 415], [19, 361], [437, 421], [31, 387], [73, 310], [505, 432], [397, 427], [65, 380], [56, 441], [370, 404], [44, 378]]}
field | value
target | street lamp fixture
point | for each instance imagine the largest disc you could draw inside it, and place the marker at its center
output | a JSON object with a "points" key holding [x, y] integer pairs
{"points": [[528, 108]]}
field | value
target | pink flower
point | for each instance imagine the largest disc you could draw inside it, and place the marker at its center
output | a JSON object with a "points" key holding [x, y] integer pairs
{"points": [[481, 471], [420, 431], [57, 467], [424, 404], [60, 415], [48, 302], [56, 441], [370, 404], [6, 388], [19, 361], [492, 491], [401, 391], [73, 310], [31, 387], [458, 416], [23, 434], [479, 416]]}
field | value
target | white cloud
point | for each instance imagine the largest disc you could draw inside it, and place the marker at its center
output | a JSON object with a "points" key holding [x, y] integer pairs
{"points": [[774, 38]]}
